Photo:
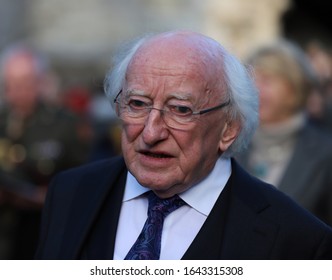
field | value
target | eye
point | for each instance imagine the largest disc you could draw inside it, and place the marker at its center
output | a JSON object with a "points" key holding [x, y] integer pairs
{"points": [[180, 110], [137, 104]]}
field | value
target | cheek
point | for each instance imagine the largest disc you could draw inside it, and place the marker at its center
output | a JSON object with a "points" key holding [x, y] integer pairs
{"points": [[130, 133], [271, 102], [201, 149]]}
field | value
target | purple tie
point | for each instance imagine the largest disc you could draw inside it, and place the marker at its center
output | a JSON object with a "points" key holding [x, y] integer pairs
{"points": [[147, 245]]}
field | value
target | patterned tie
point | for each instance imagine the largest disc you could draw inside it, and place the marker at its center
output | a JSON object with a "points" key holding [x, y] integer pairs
{"points": [[147, 245]]}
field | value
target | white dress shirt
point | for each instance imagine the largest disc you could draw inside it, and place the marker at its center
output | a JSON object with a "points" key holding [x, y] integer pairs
{"points": [[181, 226]]}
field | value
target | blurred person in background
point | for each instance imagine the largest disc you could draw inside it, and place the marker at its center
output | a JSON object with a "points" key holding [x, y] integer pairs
{"points": [[320, 102], [288, 150], [77, 100], [37, 139], [106, 125]]}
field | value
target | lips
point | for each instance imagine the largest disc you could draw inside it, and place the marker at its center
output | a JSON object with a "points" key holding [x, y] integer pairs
{"points": [[156, 154]]}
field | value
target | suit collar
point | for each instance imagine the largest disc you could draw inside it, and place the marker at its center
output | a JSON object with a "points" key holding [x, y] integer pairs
{"points": [[88, 204], [252, 222], [237, 226]]}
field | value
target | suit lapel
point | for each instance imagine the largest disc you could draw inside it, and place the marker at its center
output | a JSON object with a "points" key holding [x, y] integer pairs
{"points": [[208, 242], [87, 204], [251, 226], [101, 241], [239, 226]]}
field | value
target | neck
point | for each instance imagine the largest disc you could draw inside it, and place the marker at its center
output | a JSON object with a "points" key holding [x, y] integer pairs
{"points": [[290, 125]]}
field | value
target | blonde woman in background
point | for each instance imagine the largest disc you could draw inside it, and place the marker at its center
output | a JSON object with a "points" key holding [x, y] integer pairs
{"points": [[288, 150]]}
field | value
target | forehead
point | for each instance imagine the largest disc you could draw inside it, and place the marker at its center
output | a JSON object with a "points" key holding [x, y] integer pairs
{"points": [[20, 65], [164, 61], [173, 59]]}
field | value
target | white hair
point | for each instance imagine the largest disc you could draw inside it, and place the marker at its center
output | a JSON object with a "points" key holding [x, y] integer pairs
{"points": [[115, 78], [237, 78]]}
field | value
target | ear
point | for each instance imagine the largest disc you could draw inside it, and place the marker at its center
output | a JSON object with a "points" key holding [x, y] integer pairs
{"points": [[228, 135]]}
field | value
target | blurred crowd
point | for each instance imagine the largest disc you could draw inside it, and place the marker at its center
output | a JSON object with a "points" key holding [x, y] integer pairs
{"points": [[46, 128]]}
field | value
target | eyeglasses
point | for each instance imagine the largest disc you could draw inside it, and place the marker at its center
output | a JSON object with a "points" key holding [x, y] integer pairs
{"points": [[135, 109]]}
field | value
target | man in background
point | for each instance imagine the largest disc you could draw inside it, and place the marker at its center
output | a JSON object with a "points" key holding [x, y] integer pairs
{"points": [[37, 140]]}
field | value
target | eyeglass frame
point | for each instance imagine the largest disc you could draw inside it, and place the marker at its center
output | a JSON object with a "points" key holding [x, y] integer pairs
{"points": [[220, 106]]}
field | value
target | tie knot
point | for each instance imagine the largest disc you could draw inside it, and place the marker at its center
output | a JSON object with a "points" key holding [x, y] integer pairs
{"points": [[164, 206]]}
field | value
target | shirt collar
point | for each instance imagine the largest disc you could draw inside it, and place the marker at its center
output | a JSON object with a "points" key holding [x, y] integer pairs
{"points": [[201, 196]]}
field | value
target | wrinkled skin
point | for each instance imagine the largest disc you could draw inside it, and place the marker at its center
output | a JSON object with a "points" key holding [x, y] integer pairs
{"points": [[165, 159]]}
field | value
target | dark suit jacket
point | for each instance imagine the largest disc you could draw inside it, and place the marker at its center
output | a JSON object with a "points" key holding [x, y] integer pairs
{"points": [[308, 176], [250, 220]]}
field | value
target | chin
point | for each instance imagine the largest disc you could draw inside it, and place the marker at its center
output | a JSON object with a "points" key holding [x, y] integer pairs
{"points": [[160, 187], [153, 183]]}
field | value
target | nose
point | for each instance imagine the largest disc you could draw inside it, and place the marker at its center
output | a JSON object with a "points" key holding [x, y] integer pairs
{"points": [[155, 129]]}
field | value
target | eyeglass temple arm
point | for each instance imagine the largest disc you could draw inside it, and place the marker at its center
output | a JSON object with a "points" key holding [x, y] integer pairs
{"points": [[213, 108], [116, 97]]}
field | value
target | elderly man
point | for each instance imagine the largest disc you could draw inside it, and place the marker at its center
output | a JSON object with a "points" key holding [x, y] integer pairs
{"points": [[186, 106]]}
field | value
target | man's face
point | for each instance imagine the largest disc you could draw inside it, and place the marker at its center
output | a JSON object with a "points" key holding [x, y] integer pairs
{"points": [[21, 82], [165, 159]]}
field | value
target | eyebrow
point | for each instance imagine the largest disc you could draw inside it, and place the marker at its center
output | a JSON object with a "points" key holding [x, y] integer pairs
{"points": [[181, 96], [178, 95], [136, 92]]}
